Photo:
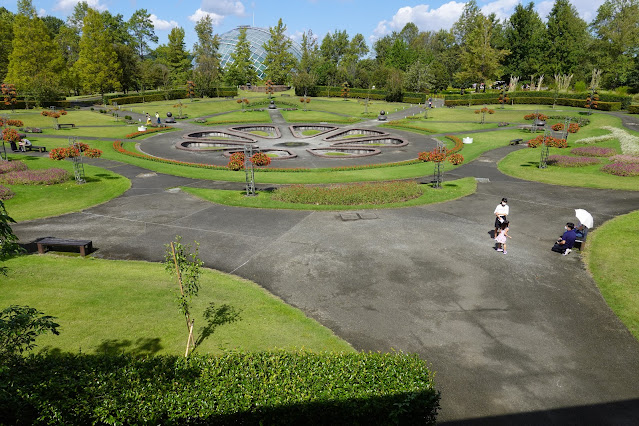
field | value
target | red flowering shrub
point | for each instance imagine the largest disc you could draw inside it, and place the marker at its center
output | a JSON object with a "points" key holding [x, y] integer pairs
{"points": [[424, 156], [10, 135], [6, 193], [11, 122], [53, 114], [557, 127], [459, 144], [535, 116], [485, 110], [260, 159], [62, 153], [438, 156], [155, 129], [549, 140], [92, 152], [36, 177], [573, 128], [456, 159], [237, 161]]}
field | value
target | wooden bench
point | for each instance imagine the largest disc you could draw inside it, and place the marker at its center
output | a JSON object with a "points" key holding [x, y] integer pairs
{"points": [[64, 126], [85, 246], [580, 242], [516, 141], [35, 148]]}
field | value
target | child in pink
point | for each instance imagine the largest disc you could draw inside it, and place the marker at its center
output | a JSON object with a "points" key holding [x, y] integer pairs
{"points": [[501, 237]]}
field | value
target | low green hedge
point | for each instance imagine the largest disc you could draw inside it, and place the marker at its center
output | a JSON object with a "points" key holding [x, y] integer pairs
{"points": [[236, 388], [580, 103], [633, 109], [603, 97], [173, 94]]}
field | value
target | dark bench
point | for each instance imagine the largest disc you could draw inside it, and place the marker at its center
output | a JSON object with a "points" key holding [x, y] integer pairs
{"points": [[580, 242], [85, 246], [516, 141], [64, 126], [35, 148]]}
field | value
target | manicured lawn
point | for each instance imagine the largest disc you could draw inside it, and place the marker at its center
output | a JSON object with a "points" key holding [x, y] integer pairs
{"points": [[129, 306], [450, 191], [353, 107], [33, 118], [611, 257], [38, 201], [524, 164], [199, 108], [301, 116], [240, 117]]}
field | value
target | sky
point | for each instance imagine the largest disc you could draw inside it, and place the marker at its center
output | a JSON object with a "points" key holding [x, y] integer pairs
{"points": [[373, 18]]}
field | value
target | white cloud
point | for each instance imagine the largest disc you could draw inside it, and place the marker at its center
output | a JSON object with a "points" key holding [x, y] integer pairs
{"points": [[67, 5], [501, 8], [161, 24], [42, 12], [423, 16], [199, 14], [223, 7], [297, 36]]}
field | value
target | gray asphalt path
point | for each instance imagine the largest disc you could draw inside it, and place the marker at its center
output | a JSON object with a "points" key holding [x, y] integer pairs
{"points": [[519, 338]]}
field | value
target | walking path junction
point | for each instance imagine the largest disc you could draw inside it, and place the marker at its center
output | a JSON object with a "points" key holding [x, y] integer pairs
{"points": [[522, 338]]}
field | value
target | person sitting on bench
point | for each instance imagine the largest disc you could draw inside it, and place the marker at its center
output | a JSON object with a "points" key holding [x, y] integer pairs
{"points": [[566, 242], [24, 143]]}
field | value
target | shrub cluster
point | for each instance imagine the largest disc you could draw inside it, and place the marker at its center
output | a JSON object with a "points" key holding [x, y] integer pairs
{"points": [[12, 166], [633, 109], [235, 388], [549, 140], [6, 193], [69, 152], [568, 161], [350, 194], [593, 151], [35, 177], [621, 169], [535, 116], [11, 122], [485, 110], [236, 162], [10, 135]]}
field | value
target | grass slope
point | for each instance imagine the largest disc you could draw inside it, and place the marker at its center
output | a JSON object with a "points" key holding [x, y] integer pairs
{"points": [[129, 306]]}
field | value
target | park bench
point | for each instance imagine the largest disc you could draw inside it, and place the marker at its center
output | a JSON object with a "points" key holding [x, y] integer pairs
{"points": [[85, 246], [38, 148], [64, 126], [516, 141], [580, 242]]}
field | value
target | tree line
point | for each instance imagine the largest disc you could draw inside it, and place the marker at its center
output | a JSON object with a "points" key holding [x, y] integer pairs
{"points": [[98, 52]]}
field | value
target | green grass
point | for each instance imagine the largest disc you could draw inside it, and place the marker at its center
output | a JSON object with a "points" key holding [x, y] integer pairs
{"points": [[33, 118], [38, 201], [126, 304], [240, 117], [451, 190], [524, 164], [310, 132], [300, 116], [611, 257]]}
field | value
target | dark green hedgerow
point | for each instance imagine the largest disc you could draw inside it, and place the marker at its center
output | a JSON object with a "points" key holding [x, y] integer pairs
{"points": [[236, 388]]}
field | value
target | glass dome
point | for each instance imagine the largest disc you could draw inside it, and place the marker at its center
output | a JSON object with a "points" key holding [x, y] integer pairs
{"points": [[257, 37]]}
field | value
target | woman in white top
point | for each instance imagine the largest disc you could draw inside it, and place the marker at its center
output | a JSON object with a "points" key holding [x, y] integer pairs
{"points": [[501, 215]]}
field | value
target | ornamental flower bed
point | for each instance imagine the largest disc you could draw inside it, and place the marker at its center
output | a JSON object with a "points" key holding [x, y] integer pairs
{"points": [[36, 177], [53, 114], [551, 142], [147, 131], [485, 110], [69, 152], [593, 151], [6, 193], [11, 122], [535, 116], [12, 166], [621, 169], [628, 159], [568, 161], [260, 159], [350, 194]]}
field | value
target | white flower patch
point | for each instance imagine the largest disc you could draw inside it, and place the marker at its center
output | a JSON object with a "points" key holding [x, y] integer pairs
{"points": [[595, 139], [629, 143]]}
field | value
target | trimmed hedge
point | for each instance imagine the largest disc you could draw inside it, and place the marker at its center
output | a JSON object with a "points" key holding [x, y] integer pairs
{"points": [[603, 97], [601, 106], [357, 93], [161, 96], [633, 109], [235, 388]]}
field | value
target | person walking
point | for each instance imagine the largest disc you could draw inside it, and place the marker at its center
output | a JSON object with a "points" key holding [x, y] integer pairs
{"points": [[502, 236], [501, 214], [157, 116]]}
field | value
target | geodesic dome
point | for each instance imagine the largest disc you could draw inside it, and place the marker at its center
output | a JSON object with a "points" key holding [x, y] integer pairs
{"points": [[257, 37]]}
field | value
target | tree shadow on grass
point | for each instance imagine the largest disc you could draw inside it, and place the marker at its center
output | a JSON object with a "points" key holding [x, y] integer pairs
{"points": [[142, 346], [216, 316], [531, 164]]}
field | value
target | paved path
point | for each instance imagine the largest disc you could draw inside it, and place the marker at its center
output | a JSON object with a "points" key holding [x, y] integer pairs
{"points": [[519, 338]]}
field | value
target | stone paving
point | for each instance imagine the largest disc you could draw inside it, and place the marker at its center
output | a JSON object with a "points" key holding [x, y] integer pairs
{"points": [[519, 338]]}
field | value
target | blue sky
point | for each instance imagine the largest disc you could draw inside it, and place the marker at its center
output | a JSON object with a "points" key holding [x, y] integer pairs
{"points": [[372, 18]]}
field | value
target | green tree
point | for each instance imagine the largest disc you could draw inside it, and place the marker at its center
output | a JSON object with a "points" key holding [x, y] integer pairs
{"points": [[97, 64], [480, 61], [524, 38], [466, 23], [19, 327], [279, 60], [207, 72], [35, 63], [53, 24], [6, 35], [142, 31], [616, 30], [129, 64], [566, 42], [241, 70], [175, 57], [182, 262], [334, 46], [310, 53], [8, 246]]}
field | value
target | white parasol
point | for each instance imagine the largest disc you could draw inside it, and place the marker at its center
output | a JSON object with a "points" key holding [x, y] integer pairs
{"points": [[584, 217]]}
